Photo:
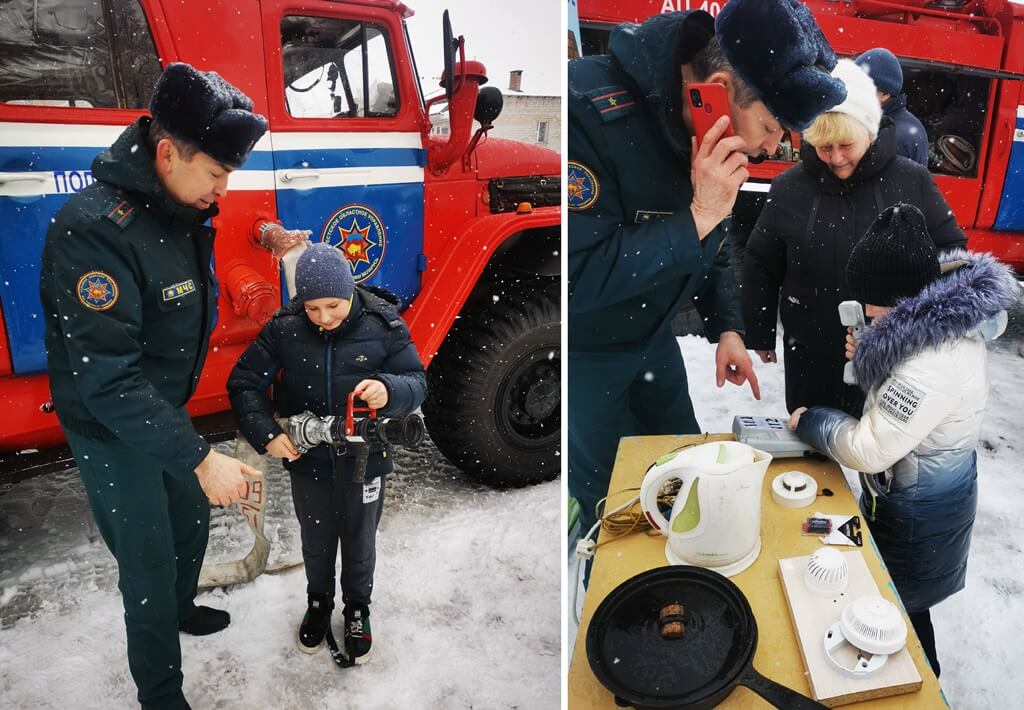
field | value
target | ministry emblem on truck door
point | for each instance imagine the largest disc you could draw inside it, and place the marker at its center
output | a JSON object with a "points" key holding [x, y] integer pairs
{"points": [[358, 232]]}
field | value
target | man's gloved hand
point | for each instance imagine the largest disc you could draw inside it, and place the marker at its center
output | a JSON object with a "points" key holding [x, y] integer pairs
{"points": [[732, 362], [221, 478], [717, 169]]}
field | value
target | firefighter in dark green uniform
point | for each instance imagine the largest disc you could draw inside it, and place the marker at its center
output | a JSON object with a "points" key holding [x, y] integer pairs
{"points": [[647, 206], [129, 298]]}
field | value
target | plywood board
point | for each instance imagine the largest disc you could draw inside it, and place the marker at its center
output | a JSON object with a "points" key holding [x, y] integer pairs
{"points": [[812, 616]]}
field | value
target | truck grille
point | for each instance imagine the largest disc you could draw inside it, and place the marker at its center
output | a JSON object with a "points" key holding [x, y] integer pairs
{"points": [[539, 190]]}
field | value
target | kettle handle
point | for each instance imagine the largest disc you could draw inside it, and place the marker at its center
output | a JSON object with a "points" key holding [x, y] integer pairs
{"points": [[653, 482]]}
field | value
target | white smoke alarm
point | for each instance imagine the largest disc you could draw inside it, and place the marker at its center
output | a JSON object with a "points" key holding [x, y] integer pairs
{"points": [[826, 573], [794, 489], [873, 626]]}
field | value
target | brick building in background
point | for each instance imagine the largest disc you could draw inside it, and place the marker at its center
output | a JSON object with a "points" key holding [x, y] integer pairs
{"points": [[525, 117]]}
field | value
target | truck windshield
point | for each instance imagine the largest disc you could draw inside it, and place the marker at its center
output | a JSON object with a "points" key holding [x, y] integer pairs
{"points": [[337, 68]]}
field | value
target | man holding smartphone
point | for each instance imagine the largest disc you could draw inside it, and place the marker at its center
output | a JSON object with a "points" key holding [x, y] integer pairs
{"points": [[647, 204]]}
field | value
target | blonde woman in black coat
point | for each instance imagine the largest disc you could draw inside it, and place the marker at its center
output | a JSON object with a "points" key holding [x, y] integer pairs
{"points": [[815, 213]]}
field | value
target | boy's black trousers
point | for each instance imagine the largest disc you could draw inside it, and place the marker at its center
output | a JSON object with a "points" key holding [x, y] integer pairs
{"points": [[349, 515]]}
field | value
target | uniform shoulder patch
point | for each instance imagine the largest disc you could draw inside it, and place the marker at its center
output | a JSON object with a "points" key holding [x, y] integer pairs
{"points": [[97, 291], [121, 212], [582, 187], [611, 102]]}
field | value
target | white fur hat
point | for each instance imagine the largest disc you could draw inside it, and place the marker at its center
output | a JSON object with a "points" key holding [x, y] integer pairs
{"points": [[861, 100]]}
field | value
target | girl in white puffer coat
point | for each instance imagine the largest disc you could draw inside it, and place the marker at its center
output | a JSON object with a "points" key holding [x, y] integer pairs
{"points": [[922, 363]]}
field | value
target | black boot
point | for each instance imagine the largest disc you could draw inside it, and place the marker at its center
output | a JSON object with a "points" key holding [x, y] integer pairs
{"points": [[315, 623], [358, 638], [205, 621]]}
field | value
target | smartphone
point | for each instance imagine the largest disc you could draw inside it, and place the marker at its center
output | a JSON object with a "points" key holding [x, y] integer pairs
{"points": [[708, 103]]}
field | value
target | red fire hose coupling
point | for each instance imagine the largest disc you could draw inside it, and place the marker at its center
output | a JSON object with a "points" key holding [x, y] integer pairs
{"points": [[251, 295]]}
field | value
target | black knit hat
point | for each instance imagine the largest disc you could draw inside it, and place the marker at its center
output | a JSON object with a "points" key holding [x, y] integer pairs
{"points": [[895, 259], [207, 112], [323, 272]]}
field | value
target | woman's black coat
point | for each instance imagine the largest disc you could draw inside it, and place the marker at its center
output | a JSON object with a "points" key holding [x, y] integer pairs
{"points": [[800, 246]]}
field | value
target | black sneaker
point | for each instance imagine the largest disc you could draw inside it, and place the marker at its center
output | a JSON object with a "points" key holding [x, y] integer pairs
{"points": [[358, 638], [315, 623], [205, 621]]}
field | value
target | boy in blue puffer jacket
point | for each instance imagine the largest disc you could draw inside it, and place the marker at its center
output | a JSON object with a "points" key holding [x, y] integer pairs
{"points": [[333, 338], [922, 364]]}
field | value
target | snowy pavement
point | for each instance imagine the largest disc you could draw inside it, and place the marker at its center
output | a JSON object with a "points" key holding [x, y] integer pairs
{"points": [[466, 603], [979, 631]]}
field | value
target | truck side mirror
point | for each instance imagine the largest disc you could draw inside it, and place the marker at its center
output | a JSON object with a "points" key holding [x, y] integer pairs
{"points": [[449, 48], [489, 103]]}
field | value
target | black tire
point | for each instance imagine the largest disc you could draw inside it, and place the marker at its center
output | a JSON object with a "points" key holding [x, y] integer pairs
{"points": [[494, 402]]}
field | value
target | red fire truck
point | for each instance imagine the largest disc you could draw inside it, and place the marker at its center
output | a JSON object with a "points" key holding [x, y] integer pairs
{"points": [[963, 66], [464, 228]]}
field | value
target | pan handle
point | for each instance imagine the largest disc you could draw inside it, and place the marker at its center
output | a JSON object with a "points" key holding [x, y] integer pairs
{"points": [[778, 695]]}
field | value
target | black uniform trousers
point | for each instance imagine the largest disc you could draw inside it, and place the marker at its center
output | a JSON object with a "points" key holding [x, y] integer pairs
{"points": [[326, 516], [616, 394], [156, 524]]}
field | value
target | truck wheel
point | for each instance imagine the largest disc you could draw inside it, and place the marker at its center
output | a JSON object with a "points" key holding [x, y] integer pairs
{"points": [[494, 389]]}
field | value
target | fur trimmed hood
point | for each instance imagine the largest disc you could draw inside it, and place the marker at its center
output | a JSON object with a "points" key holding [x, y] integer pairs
{"points": [[952, 306]]}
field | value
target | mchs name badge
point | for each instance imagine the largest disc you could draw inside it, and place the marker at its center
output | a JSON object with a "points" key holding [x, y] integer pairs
{"points": [[179, 290]]}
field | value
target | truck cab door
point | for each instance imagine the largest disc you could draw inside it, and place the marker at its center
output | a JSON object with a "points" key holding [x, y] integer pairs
{"points": [[346, 124], [75, 73]]}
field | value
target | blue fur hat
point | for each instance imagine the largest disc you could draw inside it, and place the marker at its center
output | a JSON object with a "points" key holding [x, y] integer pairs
{"points": [[323, 272], [884, 69], [207, 112], [776, 47]]}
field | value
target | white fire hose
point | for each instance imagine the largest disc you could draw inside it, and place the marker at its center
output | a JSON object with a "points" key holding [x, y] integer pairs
{"points": [[253, 509]]}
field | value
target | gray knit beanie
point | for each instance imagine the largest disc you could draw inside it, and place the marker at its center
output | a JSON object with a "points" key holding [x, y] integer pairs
{"points": [[323, 272]]}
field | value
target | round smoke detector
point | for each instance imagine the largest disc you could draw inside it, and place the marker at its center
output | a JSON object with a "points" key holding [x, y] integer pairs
{"points": [[794, 489], [874, 627], [826, 573]]}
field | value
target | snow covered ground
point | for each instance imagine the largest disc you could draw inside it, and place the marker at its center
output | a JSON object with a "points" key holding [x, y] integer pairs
{"points": [[465, 614], [980, 631]]}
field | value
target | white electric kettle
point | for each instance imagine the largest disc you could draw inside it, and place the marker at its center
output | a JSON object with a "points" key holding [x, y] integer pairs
{"points": [[716, 518]]}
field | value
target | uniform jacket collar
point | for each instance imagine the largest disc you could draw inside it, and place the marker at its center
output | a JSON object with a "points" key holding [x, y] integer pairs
{"points": [[955, 305], [650, 55], [128, 165]]}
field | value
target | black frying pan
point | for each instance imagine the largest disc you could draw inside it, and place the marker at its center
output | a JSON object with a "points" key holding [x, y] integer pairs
{"points": [[632, 658]]}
